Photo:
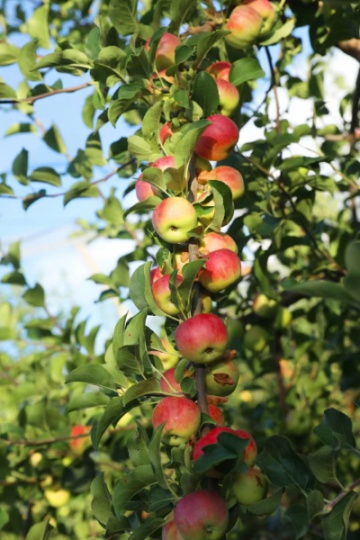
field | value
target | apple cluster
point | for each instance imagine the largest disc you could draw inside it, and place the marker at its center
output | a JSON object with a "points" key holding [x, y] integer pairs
{"points": [[188, 217]]}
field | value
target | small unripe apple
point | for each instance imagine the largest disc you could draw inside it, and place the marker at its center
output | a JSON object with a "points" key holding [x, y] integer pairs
{"points": [[174, 220], [250, 487], [298, 422], [229, 176], [250, 451], [245, 26], [57, 497], [202, 338], [266, 11], [264, 306], [222, 269], [170, 357], [256, 338], [222, 377], [165, 52], [201, 515], [229, 96], [216, 414], [283, 318], [218, 140], [170, 532], [220, 70], [212, 241], [162, 294], [181, 417]]}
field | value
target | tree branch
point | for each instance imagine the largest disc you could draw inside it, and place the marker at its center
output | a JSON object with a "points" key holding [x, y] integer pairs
{"points": [[274, 87], [32, 99]]}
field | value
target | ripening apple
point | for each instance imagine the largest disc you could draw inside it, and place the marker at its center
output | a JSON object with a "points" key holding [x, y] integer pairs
{"points": [[250, 487], [266, 11], [165, 132], [202, 339], [218, 140], [79, 442], [170, 532], [165, 52], [162, 294], [216, 414], [220, 70], [181, 418], [201, 515], [229, 176], [264, 306], [155, 274], [250, 451], [245, 26], [143, 189], [169, 356], [222, 269], [169, 384], [229, 96], [213, 241], [174, 220], [255, 338], [221, 377]]}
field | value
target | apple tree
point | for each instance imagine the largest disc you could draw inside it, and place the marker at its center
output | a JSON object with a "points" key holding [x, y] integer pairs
{"points": [[225, 404]]}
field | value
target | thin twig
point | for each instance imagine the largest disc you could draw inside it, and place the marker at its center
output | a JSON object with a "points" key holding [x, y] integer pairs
{"points": [[274, 87], [32, 99], [331, 504]]}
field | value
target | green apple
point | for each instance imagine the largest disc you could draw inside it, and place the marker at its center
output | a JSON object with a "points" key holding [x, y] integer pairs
{"points": [[250, 487]]}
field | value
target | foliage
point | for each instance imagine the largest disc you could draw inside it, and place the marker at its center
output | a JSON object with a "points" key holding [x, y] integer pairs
{"points": [[296, 229]]}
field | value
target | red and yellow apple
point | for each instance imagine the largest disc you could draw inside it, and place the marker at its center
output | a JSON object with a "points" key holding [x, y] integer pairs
{"points": [[218, 140], [174, 220], [170, 532], [162, 294], [229, 96], [212, 241], [216, 414], [229, 176], [220, 70], [181, 418], [165, 51], [267, 12], [245, 25], [201, 515], [81, 438], [202, 339], [222, 269]]}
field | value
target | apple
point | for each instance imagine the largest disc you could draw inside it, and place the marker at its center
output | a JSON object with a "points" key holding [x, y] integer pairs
{"points": [[266, 11], [155, 274], [229, 96], [264, 306], [162, 294], [222, 377], [216, 414], [170, 532], [79, 443], [250, 487], [169, 356], [206, 302], [220, 70], [143, 189], [181, 418], [212, 241], [222, 269], [165, 52], [245, 25], [201, 515], [165, 132], [255, 338], [230, 176], [250, 451], [298, 422], [57, 497], [218, 140], [174, 220], [168, 383], [283, 318], [202, 339]]}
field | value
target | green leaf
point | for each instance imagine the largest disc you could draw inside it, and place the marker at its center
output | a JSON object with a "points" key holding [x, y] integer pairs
{"points": [[269, 505], [224, 206], [122, 14], [323, 289], [283, 466], [281, 33], [189, 273], [46, 175], [125, 489], [323, 464], [85, 401], [92, 374], [155, 457], [245, 69], [352, 258], [179, 11], [14, 278], [140, 290], [111, 416], [80, 190], [205, 93], [151, 121], [229, 448], [185, 147], [13, 255], [335, 429], [37, 26], [20, 127], [296, 517], [54, 140], [35, 296], [204, 42], [314, 504], [8, 54], [20, 166], [146, 529], [147, 387], [27, 61], [101, 503], [40, 531], [335, 525], [4, 518], [140, 148]]}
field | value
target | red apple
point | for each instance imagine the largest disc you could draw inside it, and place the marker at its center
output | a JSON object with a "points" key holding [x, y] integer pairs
{"points": [[202, 338], [229, 96], [230, 176], [250, 487], [144, 190], [245, 25], [218, 139], [162, 294], [213, 241], [81, 438], [165, 133], [266, 11], [155, 274], [250, 451], [170, 532], [222, 269], [220, 70], [201, 515], [174, 220], [165, 52], [222, 377], [216, 414], [181, 418], [169, 356], [168, 383]]}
